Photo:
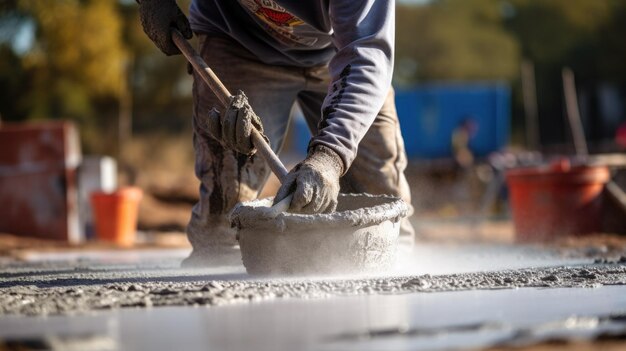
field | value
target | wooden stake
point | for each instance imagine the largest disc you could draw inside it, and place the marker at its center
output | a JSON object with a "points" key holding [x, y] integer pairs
{"points": [[573, 113], [529, 91]]}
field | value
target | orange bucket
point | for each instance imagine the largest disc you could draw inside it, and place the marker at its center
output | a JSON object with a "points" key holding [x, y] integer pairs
{"points": [[558, 200], [115, 215]]}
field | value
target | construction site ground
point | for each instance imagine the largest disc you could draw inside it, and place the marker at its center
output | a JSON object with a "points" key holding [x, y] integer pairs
{"points": [[466, 285], [462, 291]]}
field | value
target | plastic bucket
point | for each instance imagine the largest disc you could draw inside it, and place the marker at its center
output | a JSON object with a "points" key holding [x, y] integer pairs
{"points": [[558, 200], [115, 215]]}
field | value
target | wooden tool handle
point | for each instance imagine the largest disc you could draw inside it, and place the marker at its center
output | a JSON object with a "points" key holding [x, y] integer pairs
{"points": [[268, 154], [201, 67], [224, 96]]}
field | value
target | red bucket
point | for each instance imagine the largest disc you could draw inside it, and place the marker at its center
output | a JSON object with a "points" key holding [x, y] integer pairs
{"points": [[115, 215], [554, 201]]}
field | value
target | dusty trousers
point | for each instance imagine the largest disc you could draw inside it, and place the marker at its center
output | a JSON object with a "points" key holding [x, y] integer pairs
{"points": [[228, 177]]}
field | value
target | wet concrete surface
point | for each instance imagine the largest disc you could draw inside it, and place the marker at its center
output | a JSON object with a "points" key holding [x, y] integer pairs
{"points": [[440, 321], [441, 297]]}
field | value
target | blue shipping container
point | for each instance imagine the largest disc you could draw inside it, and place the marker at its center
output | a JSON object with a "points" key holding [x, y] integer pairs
{"points": [[429, 114]]}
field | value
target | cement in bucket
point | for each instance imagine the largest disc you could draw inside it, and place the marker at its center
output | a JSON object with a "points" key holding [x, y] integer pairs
{"points": [[360, 237]]}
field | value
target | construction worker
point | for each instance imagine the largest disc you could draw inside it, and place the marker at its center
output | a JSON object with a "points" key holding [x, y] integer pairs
{"points": [[334, 58]]}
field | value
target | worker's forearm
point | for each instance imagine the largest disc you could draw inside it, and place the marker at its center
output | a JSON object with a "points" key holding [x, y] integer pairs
{"points": [[361, 73]]}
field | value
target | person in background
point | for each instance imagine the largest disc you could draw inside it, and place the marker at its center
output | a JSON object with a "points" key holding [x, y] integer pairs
{"points": [[461, 137]]}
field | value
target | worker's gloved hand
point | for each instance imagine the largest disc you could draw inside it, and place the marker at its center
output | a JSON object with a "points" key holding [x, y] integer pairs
{"points": [[158, 17], [233, 128], [314, 182]]}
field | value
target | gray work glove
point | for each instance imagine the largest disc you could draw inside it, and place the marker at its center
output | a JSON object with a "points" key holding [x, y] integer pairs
{"points": [[314, 182], [233, 128], [158, 17]]}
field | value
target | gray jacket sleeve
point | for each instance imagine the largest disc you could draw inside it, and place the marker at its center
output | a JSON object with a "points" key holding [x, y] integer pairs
{"points": [[360, 73]]}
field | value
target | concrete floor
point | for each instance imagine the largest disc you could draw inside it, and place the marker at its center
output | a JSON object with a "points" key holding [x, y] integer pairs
{"points": [[391, 314]]}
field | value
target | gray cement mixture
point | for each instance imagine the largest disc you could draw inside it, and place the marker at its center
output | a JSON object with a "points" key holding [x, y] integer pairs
{"points": [[360, 237], [54, 292]]}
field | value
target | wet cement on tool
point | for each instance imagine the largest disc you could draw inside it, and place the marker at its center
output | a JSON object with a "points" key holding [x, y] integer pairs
{"points": [[78, 291], [361, 236]]}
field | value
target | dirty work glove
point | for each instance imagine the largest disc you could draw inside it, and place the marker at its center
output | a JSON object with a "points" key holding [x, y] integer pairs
{"points": [[158, 17], [233, 128], [314, 182]]}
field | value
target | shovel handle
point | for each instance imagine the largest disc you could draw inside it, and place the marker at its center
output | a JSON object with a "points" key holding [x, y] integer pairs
{"points": [[209, 77], [201, 68]]}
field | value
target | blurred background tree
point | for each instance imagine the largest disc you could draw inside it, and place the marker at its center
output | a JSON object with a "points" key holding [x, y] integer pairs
{"points": [[454, 40], [75, 65], [88, 61], [560, 33]]}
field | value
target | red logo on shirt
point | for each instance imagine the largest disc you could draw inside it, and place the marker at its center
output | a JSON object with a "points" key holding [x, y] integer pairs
{"points": [[270, 11], [278, 22]]}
